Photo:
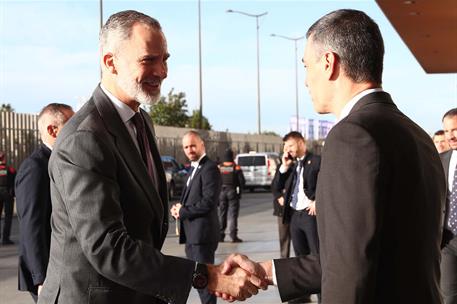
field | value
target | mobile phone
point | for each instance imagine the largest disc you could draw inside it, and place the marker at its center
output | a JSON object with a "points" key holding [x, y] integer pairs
{"points": [[289, 157]]}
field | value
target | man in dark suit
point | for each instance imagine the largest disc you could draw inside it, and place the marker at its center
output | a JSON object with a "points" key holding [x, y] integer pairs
{"points": [[33, 201], [7, 176], [296, 179], [197, 210], [449, 251], [381, 188], [278, 211], [108, 189]]}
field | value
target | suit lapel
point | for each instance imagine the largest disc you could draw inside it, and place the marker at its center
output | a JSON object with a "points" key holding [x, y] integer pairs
{"points": [[197, 172], [127, 149]]}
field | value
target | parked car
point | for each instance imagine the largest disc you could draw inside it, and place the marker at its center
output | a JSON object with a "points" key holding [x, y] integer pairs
{"points": [[176, 176], [258, 168]]}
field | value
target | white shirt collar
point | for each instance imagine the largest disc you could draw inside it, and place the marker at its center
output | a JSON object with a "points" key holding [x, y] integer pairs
{"points": [[196, 163], [348, 107], [125, 112]]}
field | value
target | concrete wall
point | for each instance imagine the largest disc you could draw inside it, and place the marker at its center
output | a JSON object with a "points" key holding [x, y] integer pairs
{"points": [[169, 141]]}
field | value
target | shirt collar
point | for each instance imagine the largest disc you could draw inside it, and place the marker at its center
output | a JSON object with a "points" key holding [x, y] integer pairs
{"points": [[125, 112], [196, 163], [348, 107]]}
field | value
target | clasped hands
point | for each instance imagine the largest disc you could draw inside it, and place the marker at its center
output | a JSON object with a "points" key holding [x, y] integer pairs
{"points": [[175, 210], [238, 278]]}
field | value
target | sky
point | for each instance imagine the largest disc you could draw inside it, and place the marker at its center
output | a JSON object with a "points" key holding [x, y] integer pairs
{"points": [[49, 53]]}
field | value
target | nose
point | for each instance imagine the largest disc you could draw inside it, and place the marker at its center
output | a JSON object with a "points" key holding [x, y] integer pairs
{"points": [[161, 70]]}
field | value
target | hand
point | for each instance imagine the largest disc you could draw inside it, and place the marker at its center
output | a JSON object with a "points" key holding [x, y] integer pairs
{"points": [[40, 287], [234, 284], [175, 210], [311, 208], [281, 200], [261, 273], [287, 160]]}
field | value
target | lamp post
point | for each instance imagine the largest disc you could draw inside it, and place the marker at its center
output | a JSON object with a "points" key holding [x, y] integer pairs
{"points": [[296, 70], [200, 120], [256, 16], [101, 25]]}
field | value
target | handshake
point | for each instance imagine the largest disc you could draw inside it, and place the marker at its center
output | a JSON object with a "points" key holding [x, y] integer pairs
{"points": [[238, 278]]}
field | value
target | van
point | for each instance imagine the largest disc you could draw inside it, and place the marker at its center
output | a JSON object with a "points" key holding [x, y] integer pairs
{"points": [[258, 168]]}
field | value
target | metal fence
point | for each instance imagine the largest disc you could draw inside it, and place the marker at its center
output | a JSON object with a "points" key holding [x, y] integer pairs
{"points": [[19, 137]]}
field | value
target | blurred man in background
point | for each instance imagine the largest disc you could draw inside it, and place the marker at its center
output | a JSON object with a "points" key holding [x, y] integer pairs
{"points": [[7, 175], [449, 251], [229, 199], [33, 201], [439, 139], [197, 210]]}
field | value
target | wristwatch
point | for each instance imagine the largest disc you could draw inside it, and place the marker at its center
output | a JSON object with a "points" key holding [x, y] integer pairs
{"points": [[200, 276]]}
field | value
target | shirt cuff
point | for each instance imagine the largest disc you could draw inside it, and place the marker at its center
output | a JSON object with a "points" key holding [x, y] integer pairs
{"points": [[273, 270], [282, 169]]}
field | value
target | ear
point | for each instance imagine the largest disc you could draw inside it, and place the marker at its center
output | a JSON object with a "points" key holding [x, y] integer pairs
{"points": [[52, 130], [330, 64], [109, 62]]}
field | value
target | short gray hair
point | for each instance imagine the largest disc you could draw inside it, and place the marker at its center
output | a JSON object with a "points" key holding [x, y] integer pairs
{"points": [[357, 41], [56, 112], [119, 26]]}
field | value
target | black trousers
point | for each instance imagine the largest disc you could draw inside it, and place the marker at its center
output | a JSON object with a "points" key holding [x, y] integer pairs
{"points": [[7, 202], [303, 230], [449, 272], [203, 253], [229, 208], [284, 238]]}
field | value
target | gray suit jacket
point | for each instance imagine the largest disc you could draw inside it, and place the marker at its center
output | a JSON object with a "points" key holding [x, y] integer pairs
{"points": [[108, 222], [380, 193]]}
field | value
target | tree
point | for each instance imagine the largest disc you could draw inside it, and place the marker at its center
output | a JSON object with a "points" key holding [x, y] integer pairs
{"points": [[194, 121], [270, 133], [170, 110], [6, 107]]}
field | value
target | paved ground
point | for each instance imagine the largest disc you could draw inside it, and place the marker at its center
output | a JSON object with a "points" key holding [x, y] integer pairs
{"points": [[257, 228]]}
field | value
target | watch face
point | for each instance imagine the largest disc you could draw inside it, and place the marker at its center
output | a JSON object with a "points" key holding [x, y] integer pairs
{"points": [[199, 281]]}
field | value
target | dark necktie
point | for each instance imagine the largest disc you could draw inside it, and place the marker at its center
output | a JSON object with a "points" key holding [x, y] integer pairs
{"points": [[452, 222], [297, 185], [144, 146]]}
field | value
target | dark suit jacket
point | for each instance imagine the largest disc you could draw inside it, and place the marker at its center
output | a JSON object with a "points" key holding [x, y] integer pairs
{"points": [[285, 183], [199, 222], [445, 160], [108, 220], [33, 202], [381, 192]]}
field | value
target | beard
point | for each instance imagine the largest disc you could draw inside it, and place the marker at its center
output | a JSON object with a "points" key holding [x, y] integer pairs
{"points": [[136, 91]]}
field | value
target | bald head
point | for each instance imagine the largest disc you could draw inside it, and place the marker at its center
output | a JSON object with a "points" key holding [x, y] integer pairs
{"points": [[193, 145]]}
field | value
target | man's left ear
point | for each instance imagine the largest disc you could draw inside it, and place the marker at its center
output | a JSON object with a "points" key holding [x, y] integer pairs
{"points": [[52, 130]]}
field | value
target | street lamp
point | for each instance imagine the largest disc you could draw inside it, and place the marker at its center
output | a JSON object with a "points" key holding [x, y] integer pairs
{"points": [[256, 16], [296, 71], [200, 120]]}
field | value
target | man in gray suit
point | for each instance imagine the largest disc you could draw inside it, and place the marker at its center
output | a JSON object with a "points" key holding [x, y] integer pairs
{"points": [[449, 251], [108, 188], [381, 187]]}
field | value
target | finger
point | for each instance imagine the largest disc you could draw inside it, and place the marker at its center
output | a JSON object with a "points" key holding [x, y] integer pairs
{"points": [[257, 282]]}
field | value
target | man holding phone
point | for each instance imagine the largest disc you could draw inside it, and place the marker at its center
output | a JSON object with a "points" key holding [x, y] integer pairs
{"points": [[296, 179]]}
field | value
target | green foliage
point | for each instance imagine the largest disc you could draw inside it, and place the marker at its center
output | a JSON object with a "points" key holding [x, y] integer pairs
{"points": [[172, 111], [194, 121], [6, 107], [270, 133]]}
